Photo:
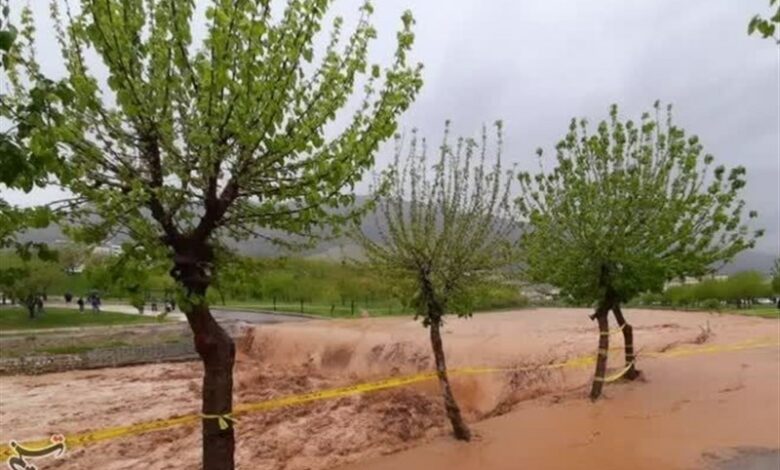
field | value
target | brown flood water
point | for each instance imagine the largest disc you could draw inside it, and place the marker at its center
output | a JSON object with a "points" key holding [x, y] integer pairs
{"points": [[689, 412]]}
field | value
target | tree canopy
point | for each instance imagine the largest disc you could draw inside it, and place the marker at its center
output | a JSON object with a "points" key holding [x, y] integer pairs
{"points": [[767, 26], [180, 143], [229, 136], [446, 228], [629, 207], [624, 210]]}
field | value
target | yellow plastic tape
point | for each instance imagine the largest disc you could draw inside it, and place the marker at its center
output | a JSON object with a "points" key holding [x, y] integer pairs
{"points": [[614, 376], [224, 421], [84, 439], [613, 332]]}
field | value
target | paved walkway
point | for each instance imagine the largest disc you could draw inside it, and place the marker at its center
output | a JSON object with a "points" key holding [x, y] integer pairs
{"points": [[219, 313]]}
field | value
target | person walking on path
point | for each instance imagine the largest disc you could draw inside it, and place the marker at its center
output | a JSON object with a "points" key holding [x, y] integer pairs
{"points": [[81, 304]]}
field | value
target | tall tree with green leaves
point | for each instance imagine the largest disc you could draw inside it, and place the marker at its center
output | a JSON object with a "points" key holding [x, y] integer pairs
{"points": [[251, 132], [775, 274], [32, 279], [18, 169], [445, 230], [767, 27], [624, 210]]}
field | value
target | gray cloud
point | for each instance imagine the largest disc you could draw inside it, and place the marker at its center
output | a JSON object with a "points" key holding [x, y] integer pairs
{"points": [[537, 63]]}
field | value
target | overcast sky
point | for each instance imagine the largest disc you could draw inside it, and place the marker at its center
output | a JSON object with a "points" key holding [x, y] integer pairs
{"points": [[537, 63]]}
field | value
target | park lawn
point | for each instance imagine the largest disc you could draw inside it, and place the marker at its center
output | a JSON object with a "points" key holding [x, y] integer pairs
{"points": [[324, 310], [764, 311], [17, 318]]}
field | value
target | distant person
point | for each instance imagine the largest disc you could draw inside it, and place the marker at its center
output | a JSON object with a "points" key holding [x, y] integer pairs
{"points": [[81, 304], [39, 304], [95, 304], [68, 297]]}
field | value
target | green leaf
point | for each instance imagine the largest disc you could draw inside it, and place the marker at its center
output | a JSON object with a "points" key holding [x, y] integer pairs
{"points": [[7, 38]]}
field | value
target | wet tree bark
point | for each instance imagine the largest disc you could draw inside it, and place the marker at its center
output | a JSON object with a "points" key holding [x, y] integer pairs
{"points": [[628, 339], [601, 359], [216, 349], [459, 428]]}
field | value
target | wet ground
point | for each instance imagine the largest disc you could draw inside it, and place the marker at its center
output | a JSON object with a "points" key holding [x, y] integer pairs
{"points": [[688, 412]]}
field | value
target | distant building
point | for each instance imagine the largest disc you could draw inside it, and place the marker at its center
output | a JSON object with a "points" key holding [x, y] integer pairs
{"points": [[540, 292], [107, 250], [689, 280]]}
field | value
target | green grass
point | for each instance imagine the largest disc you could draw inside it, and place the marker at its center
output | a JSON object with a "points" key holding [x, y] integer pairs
{"points": [[764, 311], [325, 310], [82, 348], [379, 309], [17, 318]]}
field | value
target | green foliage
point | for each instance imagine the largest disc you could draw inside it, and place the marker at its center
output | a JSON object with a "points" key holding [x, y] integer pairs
{"points": [[18, 168], [28, 280], [711, 304], [497, 297], [446, 229], [133, 275], [776, 276], [291, 280], [746, 285], [72, 257], [767, 27], [739, 288], [679, 296], [709, 289], [183, 144], [628, 208]]}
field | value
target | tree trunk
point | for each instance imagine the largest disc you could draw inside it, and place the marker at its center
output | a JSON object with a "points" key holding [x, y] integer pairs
{"points": [[217, 350], [628, 339], [459, 428], [31, 306], [601, 359]]}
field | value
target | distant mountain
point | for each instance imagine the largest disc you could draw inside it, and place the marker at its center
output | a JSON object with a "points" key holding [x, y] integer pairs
{"points": [[760, 258]]}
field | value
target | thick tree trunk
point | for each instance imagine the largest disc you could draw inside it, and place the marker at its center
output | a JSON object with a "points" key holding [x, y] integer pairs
{"points": [[628, 339], [459, 428], [601, 359], [217, 350]]}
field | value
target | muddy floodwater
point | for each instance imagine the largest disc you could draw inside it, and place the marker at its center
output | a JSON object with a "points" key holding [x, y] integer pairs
{"points": [[718, 410]]}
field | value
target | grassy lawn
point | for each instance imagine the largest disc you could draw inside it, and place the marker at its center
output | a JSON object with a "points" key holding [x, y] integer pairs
{"points": [[325, 310], [764, 311], [381, 309], [17, 318]]}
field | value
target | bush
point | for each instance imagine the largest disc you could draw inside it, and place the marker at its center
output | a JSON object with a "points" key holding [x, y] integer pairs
{"points": [[499, 297], [711, 304]]}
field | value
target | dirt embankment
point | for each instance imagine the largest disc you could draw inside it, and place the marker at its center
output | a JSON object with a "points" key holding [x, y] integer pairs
{"points": [[279, 360]]}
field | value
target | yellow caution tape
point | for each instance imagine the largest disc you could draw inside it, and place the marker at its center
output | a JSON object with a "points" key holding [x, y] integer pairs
{"points": [[615, 376], [224, 420], [83, 439], [612, 332]]}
